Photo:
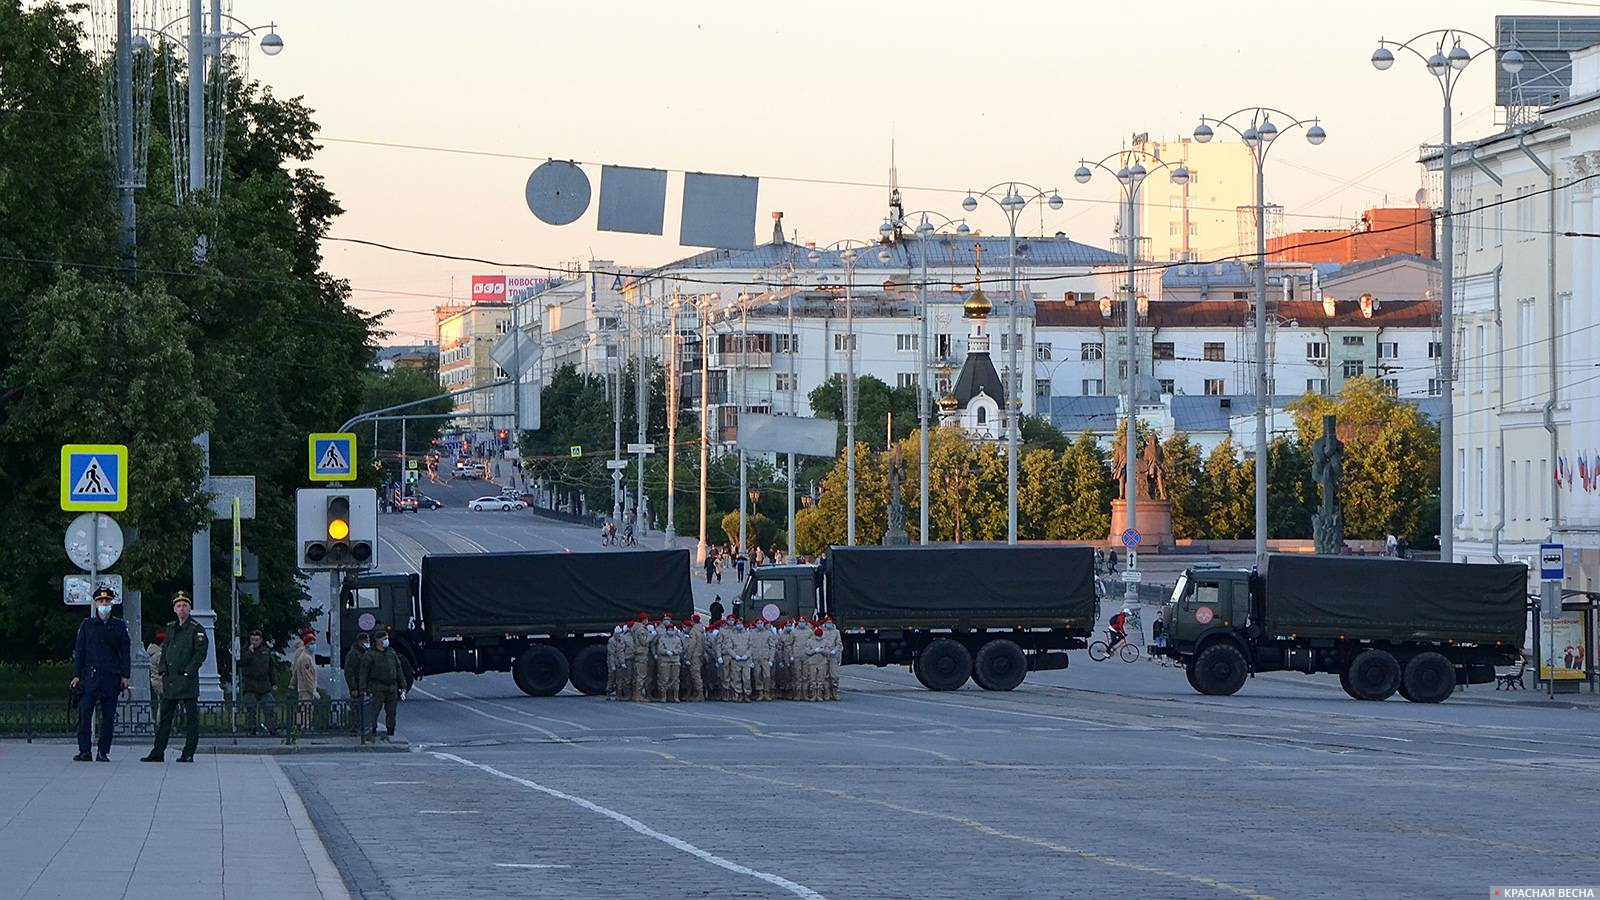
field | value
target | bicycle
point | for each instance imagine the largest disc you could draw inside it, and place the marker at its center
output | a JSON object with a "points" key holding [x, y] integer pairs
{"points": [[1100, 651]]}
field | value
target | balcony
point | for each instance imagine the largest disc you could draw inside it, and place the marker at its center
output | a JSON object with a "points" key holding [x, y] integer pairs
{"points": [[734, 359]]}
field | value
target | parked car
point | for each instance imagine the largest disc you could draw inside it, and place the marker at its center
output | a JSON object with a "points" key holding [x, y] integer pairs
{"points": [[500, 503]]}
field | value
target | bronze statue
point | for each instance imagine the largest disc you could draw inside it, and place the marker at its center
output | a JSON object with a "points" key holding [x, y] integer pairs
{"points": [[1327, 468], [1150, 482], [895, 533]]}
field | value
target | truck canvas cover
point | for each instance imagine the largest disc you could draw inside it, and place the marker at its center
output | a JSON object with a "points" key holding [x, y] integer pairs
{"points": [[965, 586], [1375, 598], [523, 593]]}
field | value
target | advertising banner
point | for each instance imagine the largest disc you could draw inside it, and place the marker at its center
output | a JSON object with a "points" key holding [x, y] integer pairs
{"points": [[488, 288], [1562, 650]]}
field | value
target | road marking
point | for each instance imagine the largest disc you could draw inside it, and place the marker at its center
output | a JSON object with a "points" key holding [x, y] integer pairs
{"points": [[544, 731], [798, 890], [530, 866], [447, 812], [398, 782]]}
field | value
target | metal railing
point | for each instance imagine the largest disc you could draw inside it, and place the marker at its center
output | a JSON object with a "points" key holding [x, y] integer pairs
{"points": [[288, 720]]}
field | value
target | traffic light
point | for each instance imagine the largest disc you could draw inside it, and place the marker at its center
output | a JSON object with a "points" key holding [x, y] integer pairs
{"points": [[336, 528], [502, 434]]}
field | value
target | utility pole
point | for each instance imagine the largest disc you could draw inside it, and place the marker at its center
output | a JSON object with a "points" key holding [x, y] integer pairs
{"points": [[641, 398], [125, 174], [792, 412], [197, 98], [744, 401], [705, 403], [616, 418], [672, 423]]}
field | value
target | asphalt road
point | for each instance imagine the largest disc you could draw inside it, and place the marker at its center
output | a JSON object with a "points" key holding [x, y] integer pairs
{"points": [[1108, 778]]}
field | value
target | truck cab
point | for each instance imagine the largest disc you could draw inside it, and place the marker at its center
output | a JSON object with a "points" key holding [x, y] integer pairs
{"points": [[1206, 605], [377, 602], [778, 592]]}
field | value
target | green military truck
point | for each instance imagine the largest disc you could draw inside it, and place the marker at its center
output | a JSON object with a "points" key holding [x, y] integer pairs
{"points": [[1383, 625], [988, 613]]}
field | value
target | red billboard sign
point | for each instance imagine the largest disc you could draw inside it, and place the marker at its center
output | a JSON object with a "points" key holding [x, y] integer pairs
{"points": [[489, 288]]}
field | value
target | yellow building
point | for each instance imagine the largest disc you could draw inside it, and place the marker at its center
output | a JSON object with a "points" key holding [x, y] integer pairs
{"points": [[466, 334], [1197, 221]]}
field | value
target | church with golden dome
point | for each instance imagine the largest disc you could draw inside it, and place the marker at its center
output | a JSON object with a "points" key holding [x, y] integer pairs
{"points": [[976, 397]]}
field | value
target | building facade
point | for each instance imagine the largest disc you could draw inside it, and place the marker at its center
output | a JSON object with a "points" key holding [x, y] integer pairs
{"points": [[1199, 220], [466, 334]]}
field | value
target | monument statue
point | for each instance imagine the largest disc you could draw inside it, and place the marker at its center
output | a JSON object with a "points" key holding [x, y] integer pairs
{"points": [[1327, 468], [895, 534], [1150, 481]]}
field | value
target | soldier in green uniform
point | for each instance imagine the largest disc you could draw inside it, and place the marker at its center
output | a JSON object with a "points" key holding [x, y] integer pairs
{"points": [[185, 650], [381, 678], [352, 663]]}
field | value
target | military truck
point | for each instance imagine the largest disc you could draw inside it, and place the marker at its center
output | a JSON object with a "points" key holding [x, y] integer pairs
{"points": [[1383, 625], [988, 613], [544, 617]]}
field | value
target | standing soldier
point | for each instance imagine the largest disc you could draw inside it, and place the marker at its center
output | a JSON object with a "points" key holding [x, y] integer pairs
{"points": [[739, 645], [305, 675], [100, 666], [352, 664], [181, 656], [613, 662], [669, 654], [255, 674], [381, 678], [156, 680], [830, 633], [816, 667], [694, 658], [716, 663], [639, 660], [761, 646]]}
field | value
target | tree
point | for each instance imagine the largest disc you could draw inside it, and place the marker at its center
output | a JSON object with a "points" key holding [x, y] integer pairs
{"points": [[1039, 433], [405, 385], [1227, 486], [1291, 494], [875, 401], [1090, 488], [1188, 496], [1391, 463], [824, 524]]}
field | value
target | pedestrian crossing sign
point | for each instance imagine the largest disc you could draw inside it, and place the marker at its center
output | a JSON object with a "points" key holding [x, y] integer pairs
{"points": [[333, 456], [94, 477]]}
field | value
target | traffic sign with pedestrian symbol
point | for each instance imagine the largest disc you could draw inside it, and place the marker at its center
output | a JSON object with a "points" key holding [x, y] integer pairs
{"points": [[94, 477], [576, 452], [332, 456]]}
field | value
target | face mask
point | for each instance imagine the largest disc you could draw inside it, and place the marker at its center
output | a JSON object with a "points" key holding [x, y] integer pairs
{"points": [[311, 648], [651, 629], [104, 611]]}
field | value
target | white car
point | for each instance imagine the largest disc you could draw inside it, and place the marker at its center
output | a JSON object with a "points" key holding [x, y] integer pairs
{"points": [[500, 503]]}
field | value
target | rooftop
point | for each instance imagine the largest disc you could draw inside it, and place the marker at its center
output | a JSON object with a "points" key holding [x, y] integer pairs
{"points": [[1237, 313], [944, 251]]}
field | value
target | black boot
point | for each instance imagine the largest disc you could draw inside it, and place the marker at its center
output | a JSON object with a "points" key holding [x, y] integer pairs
{"points": [[185, 758], [154, 757], [102, 757], [83, 757]]}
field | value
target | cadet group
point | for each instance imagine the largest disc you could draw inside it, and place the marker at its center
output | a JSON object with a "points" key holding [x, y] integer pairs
{"points": [[730, 660]]}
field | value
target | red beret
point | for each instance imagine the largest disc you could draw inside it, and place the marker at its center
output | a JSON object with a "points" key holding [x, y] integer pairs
{"points": [[695, 617], [643, 617]]}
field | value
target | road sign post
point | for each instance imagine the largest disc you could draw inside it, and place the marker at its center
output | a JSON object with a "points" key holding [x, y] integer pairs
{"points": [[94, 479]]}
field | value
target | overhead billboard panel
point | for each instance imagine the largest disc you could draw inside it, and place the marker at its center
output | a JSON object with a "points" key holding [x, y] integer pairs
{"points": [[761, 433]]}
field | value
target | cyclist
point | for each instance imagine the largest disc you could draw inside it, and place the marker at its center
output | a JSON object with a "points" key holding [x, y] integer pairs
{"points": [[1118, 629]]}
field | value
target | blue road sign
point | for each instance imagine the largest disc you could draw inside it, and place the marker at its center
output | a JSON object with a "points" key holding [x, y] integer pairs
{"points": [[1552, 562], [1131, 538], [94, 477], [333, 456]]}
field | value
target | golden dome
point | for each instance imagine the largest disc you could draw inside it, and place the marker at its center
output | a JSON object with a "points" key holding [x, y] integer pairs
{"points": [[947, 403], [977, 305]]}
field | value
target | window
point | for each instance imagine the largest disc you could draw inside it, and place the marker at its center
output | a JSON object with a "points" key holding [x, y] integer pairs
{"points": [[1164, 350], [1172, 229], [1193, 230], [784, 381], [1091, 351], [1214, 352], [366, 598], [839, 342], [983, 415], [1433, 387], [1175, 203], [941, 383], [1354, 368], [786, 343], [770, 589], [1122, 368], [1316, 350], [1544, 488], [1477, 228], [1166, 385], [1041, 387], [1094, 387], [942, 345], [1483, 478], [606, 323], [1215, 387], [1316, 385], [611, 351], [1527, 336], [1241, 295], [1435, 349], [1524, 205], [1042, 352], [1354, 340], [906, 379], [1392, 385], [1388, 349], [1479, 370], [1527, 491], [1194, 177], [1005, 341], [905, 343]]}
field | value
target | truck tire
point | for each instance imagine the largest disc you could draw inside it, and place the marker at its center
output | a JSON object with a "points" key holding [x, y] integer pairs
{"points": [[1374, 675], [1220, 670], [946, 665], [1428, 678], [589, 670], [541, 671], [916, 669], [1188, 672], [1344, 682], [1000, 665]]}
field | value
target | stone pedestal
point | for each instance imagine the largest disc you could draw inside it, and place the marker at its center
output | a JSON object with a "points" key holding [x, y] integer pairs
{"points": [[1154, 521]]}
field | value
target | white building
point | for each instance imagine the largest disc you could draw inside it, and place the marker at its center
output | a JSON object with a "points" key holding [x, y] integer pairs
{"points": [[1522, 413]]}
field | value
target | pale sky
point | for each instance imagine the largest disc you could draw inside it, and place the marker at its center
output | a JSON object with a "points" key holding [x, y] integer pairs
{"points": [[972, 93]]}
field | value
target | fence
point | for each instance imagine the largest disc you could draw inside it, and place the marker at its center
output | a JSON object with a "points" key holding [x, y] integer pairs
{"points": [[285, 719]]}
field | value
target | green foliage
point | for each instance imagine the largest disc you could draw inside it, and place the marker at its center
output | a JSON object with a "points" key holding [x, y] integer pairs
{"points": [[875, 401], [1190, 517], [1291, 494], [1090, 488], [403, 385], [1039, 433], [1227, 486], [578, 410]]}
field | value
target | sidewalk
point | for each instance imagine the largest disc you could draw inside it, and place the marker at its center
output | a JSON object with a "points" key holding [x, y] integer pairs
{"points": [[224, 825]]}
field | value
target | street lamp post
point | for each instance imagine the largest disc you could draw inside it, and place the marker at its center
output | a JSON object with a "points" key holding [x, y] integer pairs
{"points": [[1258, 135], [849, 258], [1130, 174], [1445, 63], [1012, 203], [923, 231]]}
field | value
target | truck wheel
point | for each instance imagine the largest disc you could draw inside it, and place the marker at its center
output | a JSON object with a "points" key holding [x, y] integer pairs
{"points": [[1429, 678], [916, 669], [589, 670], [541, 671], [1374, 675], [1344, 682], [1000, 666], [1188, 672], [946, 665], [1220, 670]]}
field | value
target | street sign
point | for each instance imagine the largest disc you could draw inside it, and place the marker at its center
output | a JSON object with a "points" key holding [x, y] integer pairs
{"points": [[82, 533], [238, 542], [76, 590], [576, 452], [224, 489], [411, 463], [332, 456], [1552, 562], [616, 476], [641, 448], [1131, 538], [1132, 576], [616, 464], [94, 477]]}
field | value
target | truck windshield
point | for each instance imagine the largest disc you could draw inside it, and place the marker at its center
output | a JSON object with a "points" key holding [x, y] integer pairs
{"points": [[1181, 588]]}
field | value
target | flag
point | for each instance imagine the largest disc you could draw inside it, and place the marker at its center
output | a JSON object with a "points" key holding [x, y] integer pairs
{"points": [[1583, 470], [1555, 470]]}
